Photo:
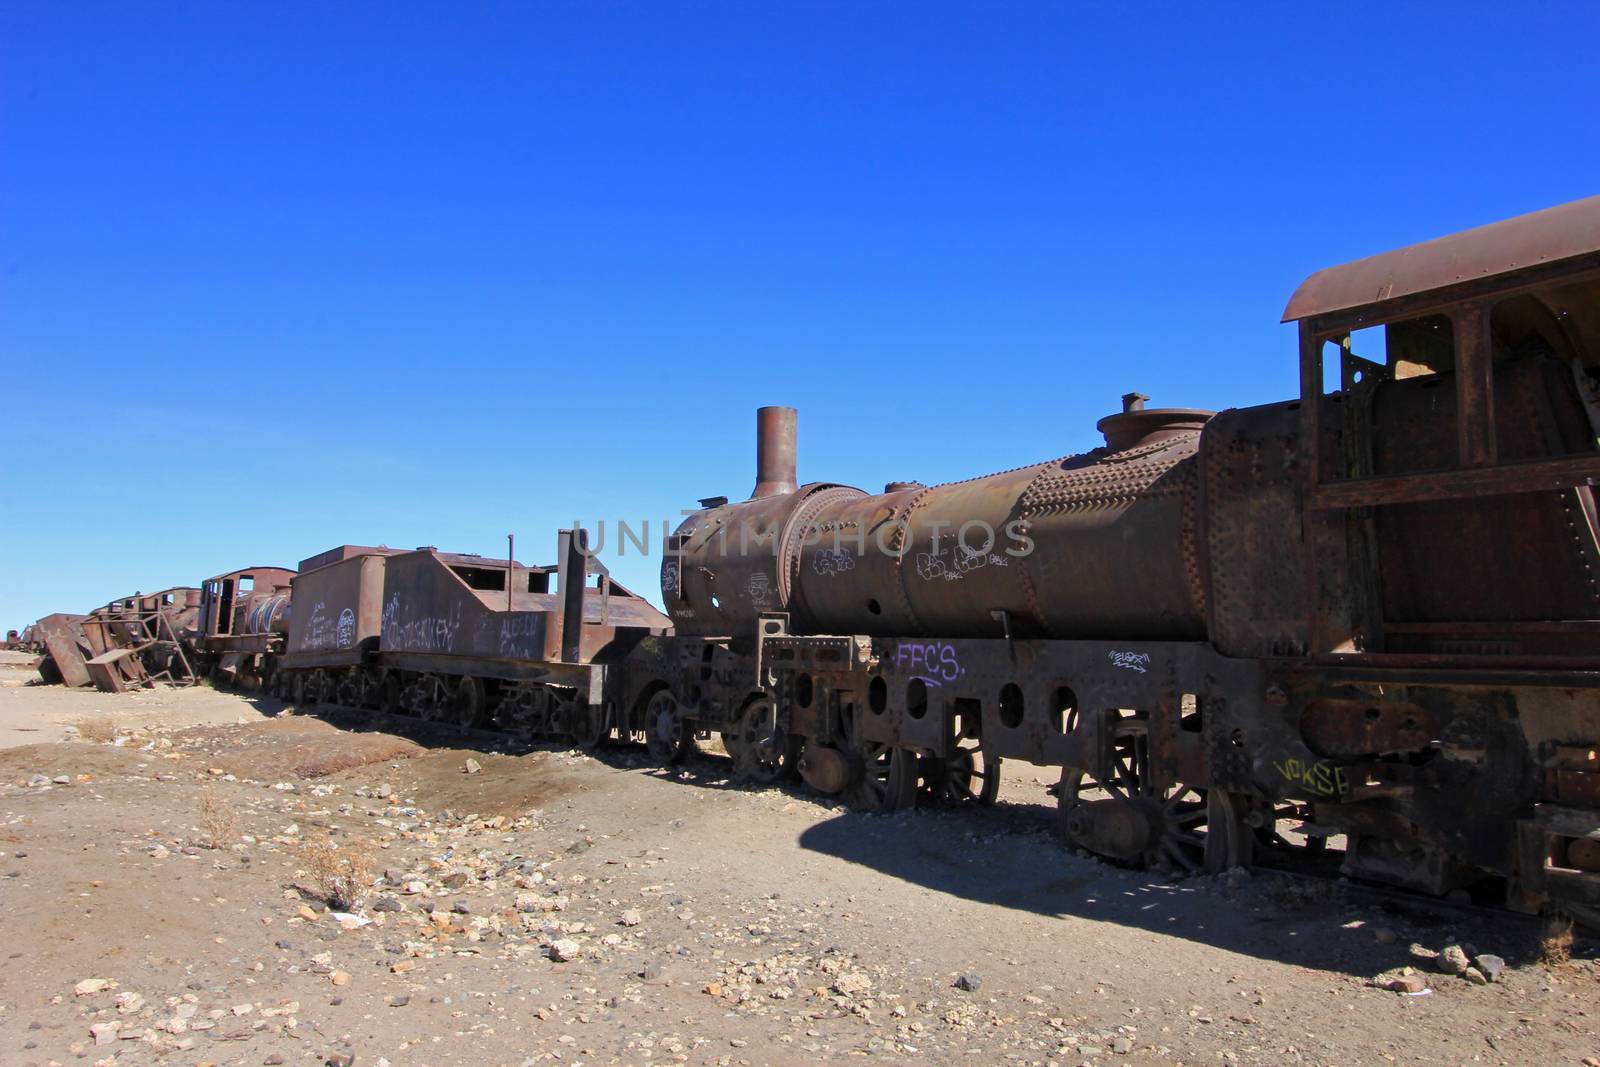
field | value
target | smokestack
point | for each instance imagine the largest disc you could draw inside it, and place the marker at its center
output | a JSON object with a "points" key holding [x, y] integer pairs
{"points": [[775, 452]]}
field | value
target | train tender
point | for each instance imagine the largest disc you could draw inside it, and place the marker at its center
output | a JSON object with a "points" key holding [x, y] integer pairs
{"points": [[1368, 616], [465, 640]]}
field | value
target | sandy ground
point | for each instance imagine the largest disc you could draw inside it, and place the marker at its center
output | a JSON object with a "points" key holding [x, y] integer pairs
{"points": [[31, 712], [162, 897]]}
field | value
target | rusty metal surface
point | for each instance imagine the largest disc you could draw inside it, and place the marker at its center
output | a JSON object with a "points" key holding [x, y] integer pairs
{"points": [[118, 671], [343, 552], [66, 649], [337, 607], [428, 608], [731, 562], [1098, 543], [1073, 547], [775, 452], [1542, 544], [1249, 459], [251, 600], [1537, 239]]}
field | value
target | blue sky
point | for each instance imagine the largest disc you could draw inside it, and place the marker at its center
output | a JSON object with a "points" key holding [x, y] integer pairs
{"points": [[278, 277]]}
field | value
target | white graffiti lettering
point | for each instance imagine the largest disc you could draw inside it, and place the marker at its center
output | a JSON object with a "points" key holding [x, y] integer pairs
{"points": [[832, 561], [345, 631], [404, 632], [1130, 661], [522, 634], [953, 562], [319, 633]]}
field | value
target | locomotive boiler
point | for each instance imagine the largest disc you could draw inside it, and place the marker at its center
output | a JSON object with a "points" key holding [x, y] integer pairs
{"points": [[1105, 542]]}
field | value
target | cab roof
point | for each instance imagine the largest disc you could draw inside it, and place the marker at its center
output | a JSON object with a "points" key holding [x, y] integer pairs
{"points": [[1566, 231]]}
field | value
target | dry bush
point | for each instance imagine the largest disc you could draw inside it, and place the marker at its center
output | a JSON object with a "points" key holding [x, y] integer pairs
{"points": [[1555, 941], [339, 874], [1292, 893], [219, 821], [102, 730]]}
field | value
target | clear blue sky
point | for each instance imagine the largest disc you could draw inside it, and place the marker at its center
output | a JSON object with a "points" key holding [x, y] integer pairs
{"points": [[282, 276]]}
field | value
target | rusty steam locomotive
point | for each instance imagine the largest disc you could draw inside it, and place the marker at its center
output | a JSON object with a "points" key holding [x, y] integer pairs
{"points": [[1358, 627]]}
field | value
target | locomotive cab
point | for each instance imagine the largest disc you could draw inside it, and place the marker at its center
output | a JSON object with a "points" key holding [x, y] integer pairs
{"points": [[1459, 455], [1442, 598]]}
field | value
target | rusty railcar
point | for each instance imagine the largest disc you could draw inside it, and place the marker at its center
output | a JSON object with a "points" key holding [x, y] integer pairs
{"points": [[1368, 616], [467, 640], [138, 640]]}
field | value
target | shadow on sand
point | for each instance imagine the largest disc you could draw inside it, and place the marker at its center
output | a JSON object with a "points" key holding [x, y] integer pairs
{"points": [[1007, 856]]}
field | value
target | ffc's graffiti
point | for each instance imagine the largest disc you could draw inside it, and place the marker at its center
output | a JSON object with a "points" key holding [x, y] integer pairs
{"points": [[935, 662]]}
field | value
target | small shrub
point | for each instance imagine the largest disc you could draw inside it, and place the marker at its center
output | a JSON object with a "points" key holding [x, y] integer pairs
{"points": [[339, 875], [102, 730], [218, 820], [1555, 942]]}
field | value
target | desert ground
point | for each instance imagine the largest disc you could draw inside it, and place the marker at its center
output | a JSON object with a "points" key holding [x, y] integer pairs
{"points": [[191, 876]]}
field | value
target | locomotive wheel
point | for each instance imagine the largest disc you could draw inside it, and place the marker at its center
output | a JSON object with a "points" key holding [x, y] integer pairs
{"points": [[763, 750], [466, 704], [351, 691], [591, 726], [888, 780], [1128, 818], [429, 698], [1230, 841], [297, 689], [667, 737], [969, 776]]}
